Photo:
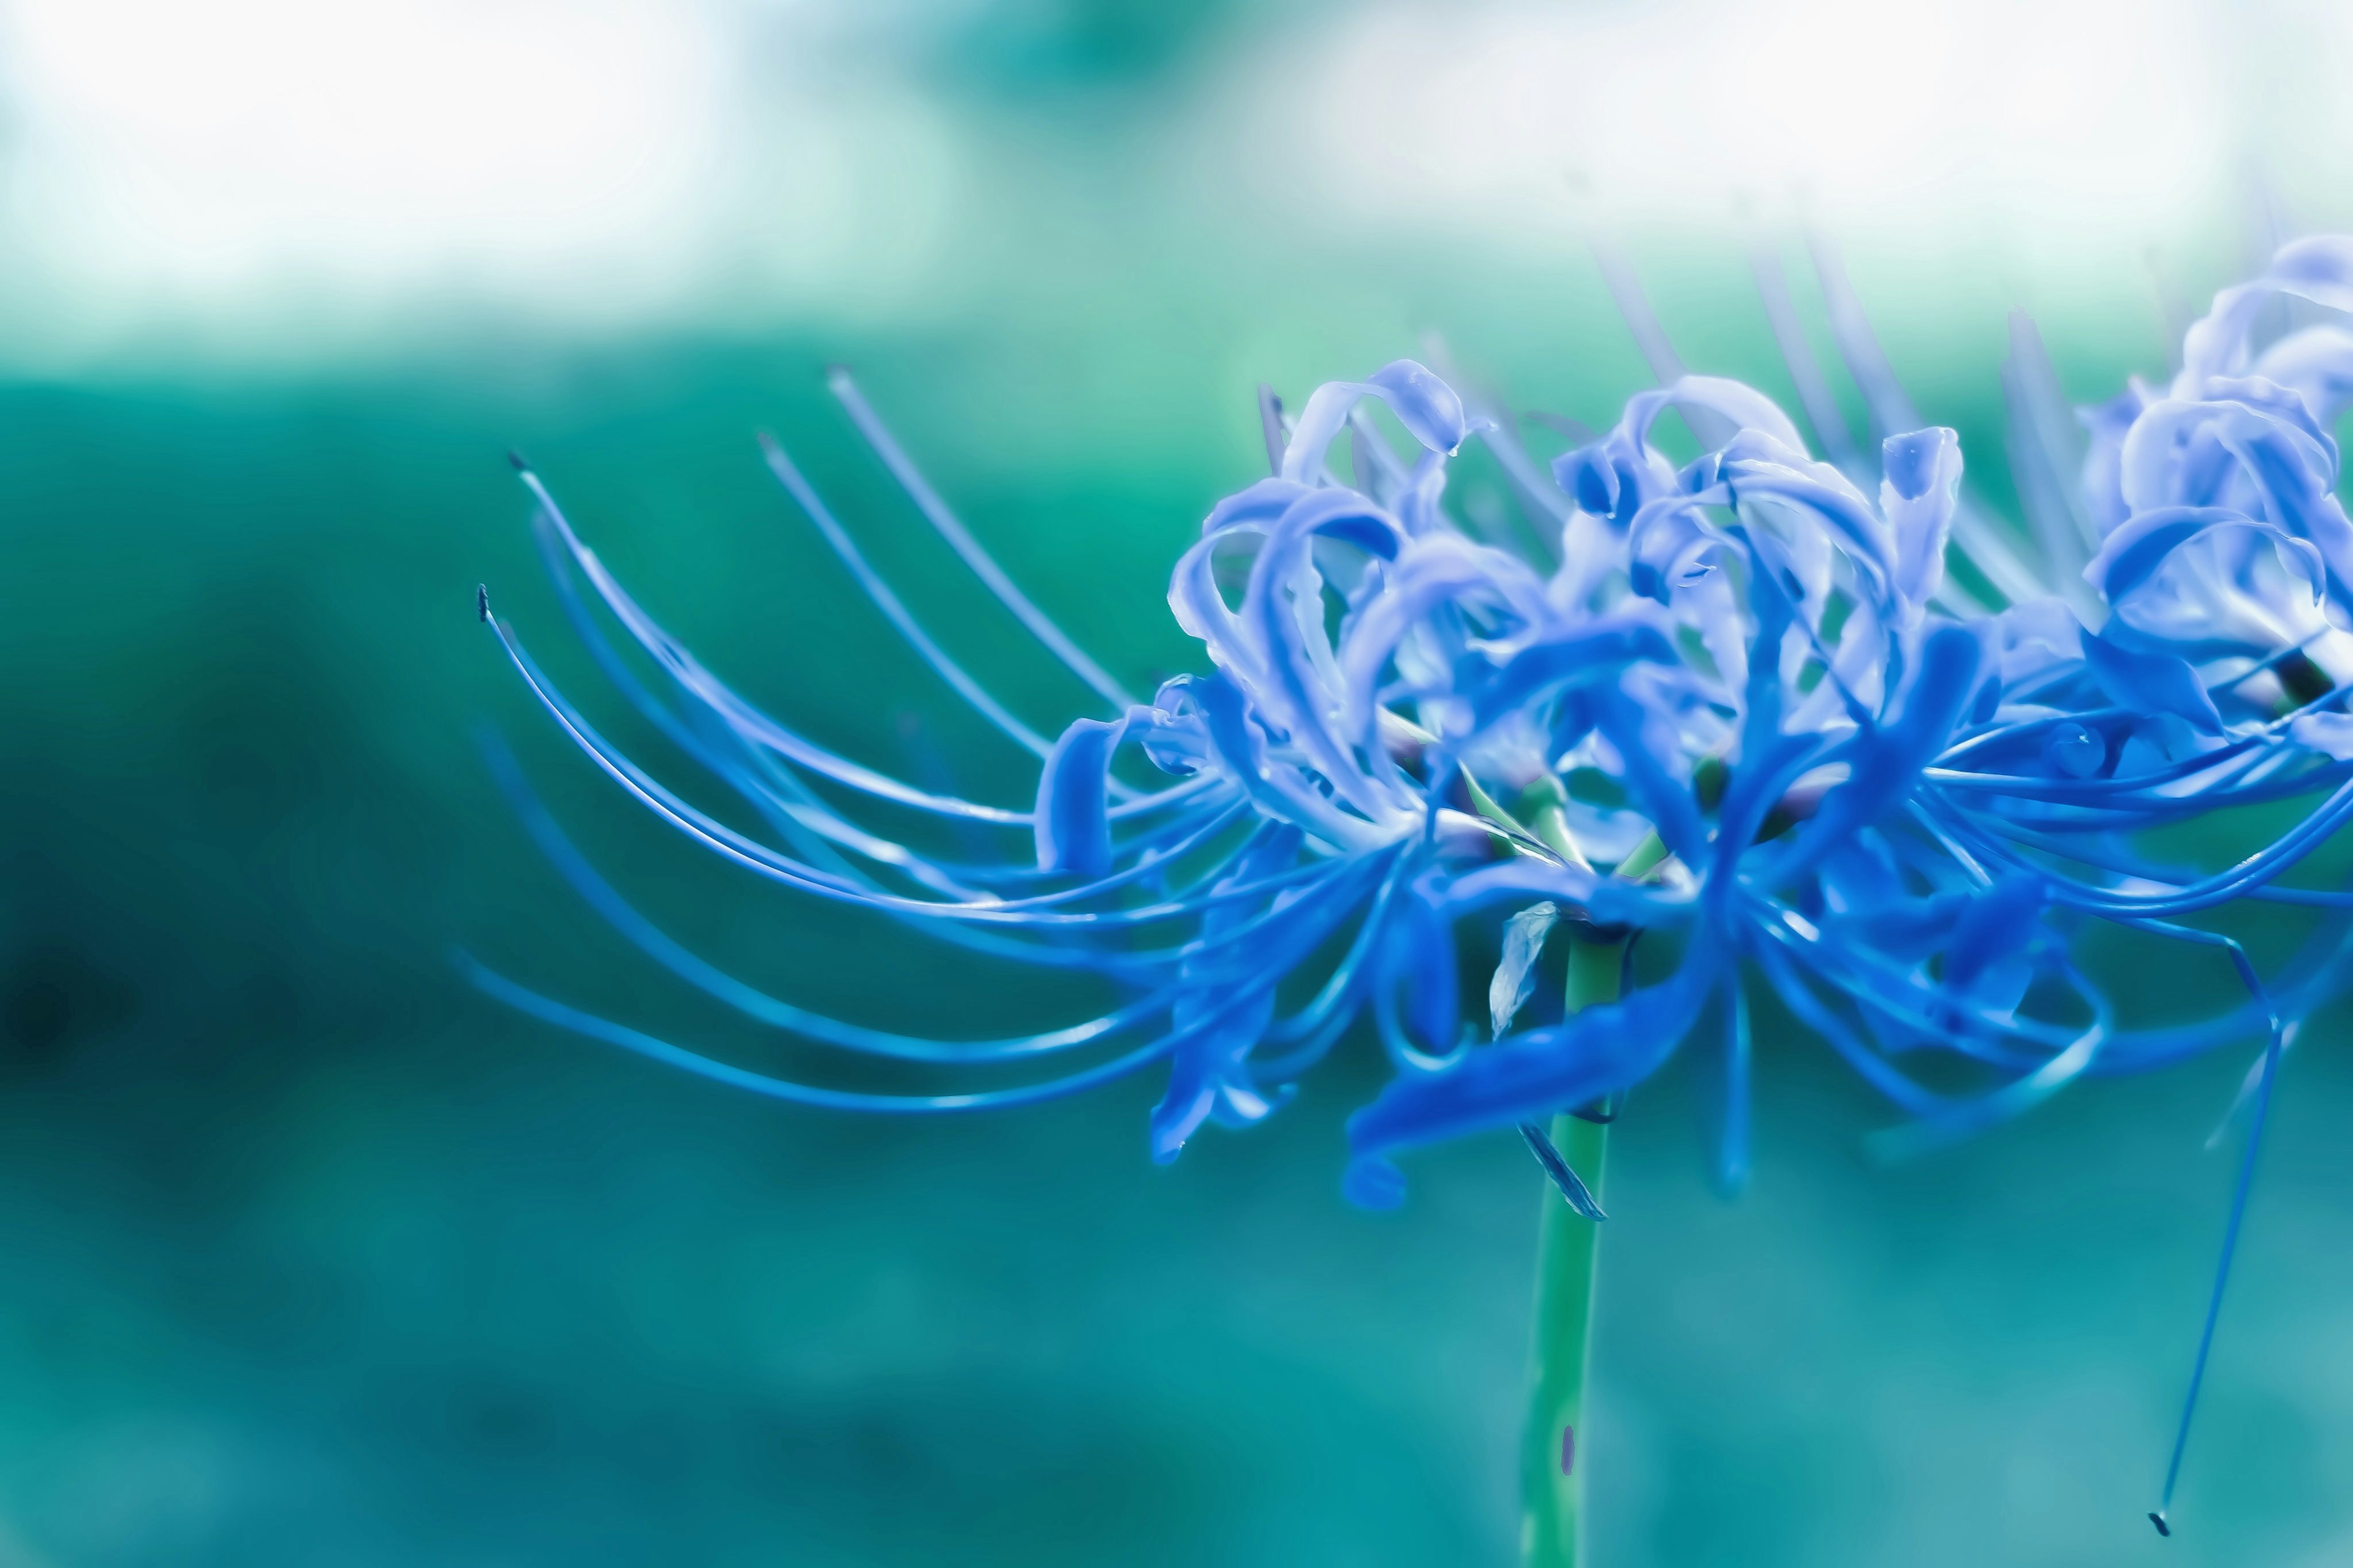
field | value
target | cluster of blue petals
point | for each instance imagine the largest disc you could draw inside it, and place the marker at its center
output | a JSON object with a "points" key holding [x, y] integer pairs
{"points": [[1735, 705]]}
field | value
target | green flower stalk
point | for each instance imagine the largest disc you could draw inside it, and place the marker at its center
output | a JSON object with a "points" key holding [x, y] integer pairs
{"points": [[1569, 1251]]}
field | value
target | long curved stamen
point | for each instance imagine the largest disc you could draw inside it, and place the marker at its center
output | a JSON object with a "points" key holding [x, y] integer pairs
{"points": [[952, 528], [526, 1000], [2239, 1187], [1797, 356], [740, 715], [2046, 452], [758, 857], [625, 918], [2211, 892], [870, 582]]}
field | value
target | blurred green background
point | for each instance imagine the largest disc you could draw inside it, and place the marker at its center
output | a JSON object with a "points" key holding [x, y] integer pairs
{"points": [[308, 1255]]}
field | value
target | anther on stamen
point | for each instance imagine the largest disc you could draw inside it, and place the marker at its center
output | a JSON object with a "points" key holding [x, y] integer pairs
{"points": [[482, 601], [1270, 419]]}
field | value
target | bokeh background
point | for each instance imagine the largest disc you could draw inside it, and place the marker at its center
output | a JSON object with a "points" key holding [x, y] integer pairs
{"points": [[308, 1255]]}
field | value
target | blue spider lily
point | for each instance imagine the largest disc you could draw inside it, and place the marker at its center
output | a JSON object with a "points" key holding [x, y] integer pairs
{"points": [[1735, 708], [1742, 707]]}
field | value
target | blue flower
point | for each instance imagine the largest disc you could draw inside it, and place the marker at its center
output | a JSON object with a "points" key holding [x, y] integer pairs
{"points": [[1733, 709], [1734, 706]]}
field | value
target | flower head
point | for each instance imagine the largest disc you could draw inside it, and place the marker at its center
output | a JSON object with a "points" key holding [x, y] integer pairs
{"points": [[1733, 708], [1732, 705]]}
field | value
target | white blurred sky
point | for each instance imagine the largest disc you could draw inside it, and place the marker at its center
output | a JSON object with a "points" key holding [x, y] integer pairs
{"points": [[290, 176]]}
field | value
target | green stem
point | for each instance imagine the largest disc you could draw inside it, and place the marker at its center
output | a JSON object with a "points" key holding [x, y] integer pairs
{"points": [[1552, 1531]]}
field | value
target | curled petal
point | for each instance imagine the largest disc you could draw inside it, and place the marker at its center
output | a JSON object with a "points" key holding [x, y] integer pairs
{"points": [[1429, 410], [2151, 683]]}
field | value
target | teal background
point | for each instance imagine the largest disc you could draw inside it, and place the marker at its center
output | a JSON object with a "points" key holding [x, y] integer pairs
{"points": [[309, 1254]]}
